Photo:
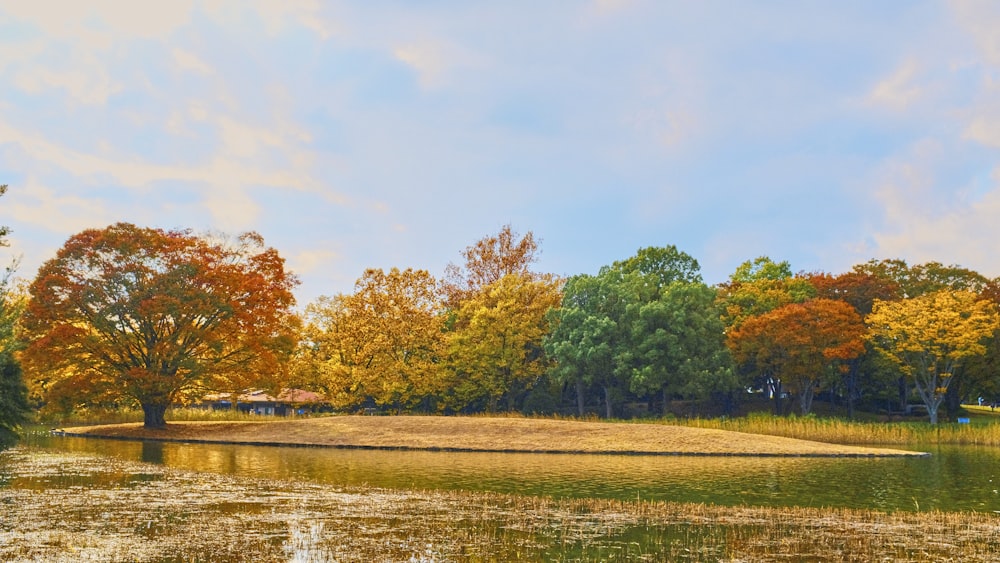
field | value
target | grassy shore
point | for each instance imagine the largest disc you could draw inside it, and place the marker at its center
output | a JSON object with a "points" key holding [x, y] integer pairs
{"points": [[487, 434], [61, 506], [984, 429]]}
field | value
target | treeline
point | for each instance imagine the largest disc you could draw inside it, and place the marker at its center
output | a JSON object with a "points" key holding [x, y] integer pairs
{"points": [[646, 331], [136, 316]]}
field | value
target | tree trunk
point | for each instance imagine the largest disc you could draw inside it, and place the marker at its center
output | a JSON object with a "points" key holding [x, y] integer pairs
{"points": [[852, 385], [806, 398], [153, 415], [579, 397], [776, 392], [904, 393], [607, 402], [953, 401]]}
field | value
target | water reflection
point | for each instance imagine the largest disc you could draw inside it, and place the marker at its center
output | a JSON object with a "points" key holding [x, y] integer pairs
{"points": [[952, 479]]}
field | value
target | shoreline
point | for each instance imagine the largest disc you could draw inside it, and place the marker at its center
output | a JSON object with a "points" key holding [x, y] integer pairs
{"points": [[481, 434]]}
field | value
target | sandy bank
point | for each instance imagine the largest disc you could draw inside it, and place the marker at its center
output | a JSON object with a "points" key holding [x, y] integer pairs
{"points": [[486, 434]]}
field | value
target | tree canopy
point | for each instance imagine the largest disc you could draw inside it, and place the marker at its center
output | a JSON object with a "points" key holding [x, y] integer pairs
{"points": [[929, 335], [146, 315], [14, 408], [800, 344], [382, 343]]}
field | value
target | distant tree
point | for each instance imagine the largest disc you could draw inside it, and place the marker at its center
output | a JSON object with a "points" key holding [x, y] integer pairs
{"points": [[589, 334], [860, 289], [801, 344], [487, 261], [14, 407], [147, 315], [930, 335], [665, 265], [919, 279], [384, 342], [647, 323], [497, 343], [758, 286]]}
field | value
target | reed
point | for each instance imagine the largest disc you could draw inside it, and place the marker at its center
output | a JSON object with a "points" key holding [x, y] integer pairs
{"points": [[91, 417], [840, 431]]}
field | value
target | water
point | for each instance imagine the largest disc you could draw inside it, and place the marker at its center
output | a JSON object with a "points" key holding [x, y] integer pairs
{"points": [[951, 479]]}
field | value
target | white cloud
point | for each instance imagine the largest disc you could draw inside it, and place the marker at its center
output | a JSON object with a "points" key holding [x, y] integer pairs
{"points": [[39, 205], [985, 130], [77, 21], [923, 222], [899, 90], [308, 261], [89, 84], [189, 61], [225, 177], [981, 18], [435, 61], [306, 13]]}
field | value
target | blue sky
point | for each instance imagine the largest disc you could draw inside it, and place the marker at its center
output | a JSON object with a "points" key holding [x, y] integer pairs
{"points": [[381, 134]]}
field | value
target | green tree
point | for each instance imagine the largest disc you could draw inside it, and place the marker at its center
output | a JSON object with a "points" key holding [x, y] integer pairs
{"points": [[930, 335], [679, 343], [14, 407], [647, 322], [758, 286], [146, 315], [586, 339]]}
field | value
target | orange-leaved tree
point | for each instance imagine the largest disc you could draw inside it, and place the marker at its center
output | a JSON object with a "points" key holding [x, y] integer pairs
{"points": [[146, 315], [800, 344], [490, 259]]}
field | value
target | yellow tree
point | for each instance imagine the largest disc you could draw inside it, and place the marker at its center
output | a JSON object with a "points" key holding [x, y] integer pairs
{"points": [[490, 259], [497, 342], [929, 335], [384, 342]]}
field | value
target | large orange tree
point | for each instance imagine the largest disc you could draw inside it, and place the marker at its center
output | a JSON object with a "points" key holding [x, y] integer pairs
{"points": [[800, 344], [145, 315]]}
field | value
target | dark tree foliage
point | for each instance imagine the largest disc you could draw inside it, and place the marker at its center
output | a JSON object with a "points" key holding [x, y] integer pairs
{"points": [[14, 408]]}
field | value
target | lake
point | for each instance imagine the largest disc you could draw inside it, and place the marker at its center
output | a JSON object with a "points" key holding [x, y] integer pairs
{"points": [[952, 479]]}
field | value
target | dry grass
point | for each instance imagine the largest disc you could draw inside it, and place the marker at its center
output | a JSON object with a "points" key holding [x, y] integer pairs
{"points": [[487, 434], [74, 507], [983, 432]]}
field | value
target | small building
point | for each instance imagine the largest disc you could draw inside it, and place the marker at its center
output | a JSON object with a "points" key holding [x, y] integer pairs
{"points": [[288, 402]]}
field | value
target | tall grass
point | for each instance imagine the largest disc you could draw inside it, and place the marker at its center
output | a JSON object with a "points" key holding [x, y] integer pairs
{"points": [[840, 431], [129, 415]]}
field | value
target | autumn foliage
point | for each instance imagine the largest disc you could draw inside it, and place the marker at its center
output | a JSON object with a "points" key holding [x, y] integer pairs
{"points": [[800, 344], [151, 317], [928, 337], [137, 314]]}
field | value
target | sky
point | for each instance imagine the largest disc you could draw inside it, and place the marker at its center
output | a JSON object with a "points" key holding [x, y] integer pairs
{"points": [[380, 134]]}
